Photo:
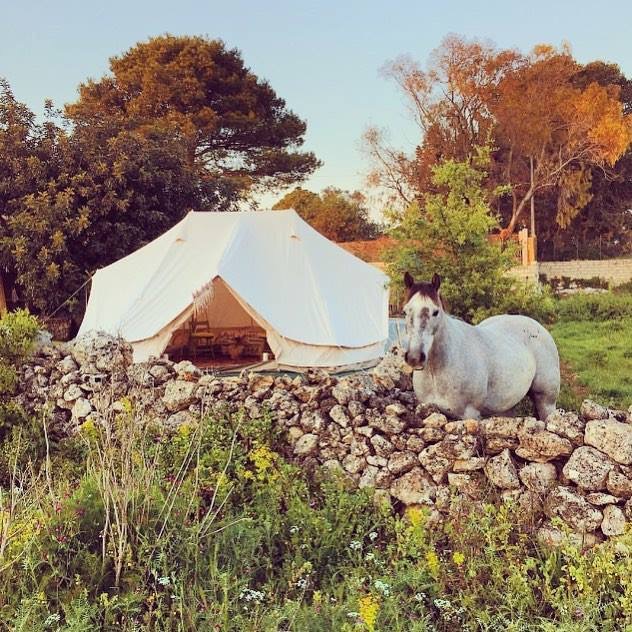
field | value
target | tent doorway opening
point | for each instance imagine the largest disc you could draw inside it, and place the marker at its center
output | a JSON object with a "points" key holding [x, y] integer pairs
{"points": [[220, 333]]}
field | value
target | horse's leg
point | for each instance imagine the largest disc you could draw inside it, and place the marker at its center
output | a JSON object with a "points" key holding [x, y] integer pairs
{"points": [[471, 413], [545, 390], [544, 403]]}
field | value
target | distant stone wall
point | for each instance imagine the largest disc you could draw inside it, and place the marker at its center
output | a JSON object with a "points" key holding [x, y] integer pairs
{"points": [[527, 274], [369, 428], [615, 271]]}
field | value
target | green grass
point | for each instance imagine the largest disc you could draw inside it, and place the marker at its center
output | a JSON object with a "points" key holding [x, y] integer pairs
{"points": [[599, 353]]}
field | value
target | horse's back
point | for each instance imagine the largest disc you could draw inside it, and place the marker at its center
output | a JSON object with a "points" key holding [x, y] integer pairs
{"points": [[520, 328], [522, 331]]}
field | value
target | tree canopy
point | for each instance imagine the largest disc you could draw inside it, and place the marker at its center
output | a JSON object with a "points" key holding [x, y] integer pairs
{"points": [[449, 236], [232, 123], [338, 215], [570, 122]]}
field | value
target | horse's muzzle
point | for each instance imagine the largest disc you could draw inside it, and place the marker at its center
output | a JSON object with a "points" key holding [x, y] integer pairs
{"points": [[417, 363]]}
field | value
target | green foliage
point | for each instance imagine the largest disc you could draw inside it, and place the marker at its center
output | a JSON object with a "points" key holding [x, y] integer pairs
{"points": [[449, 235], [338, 215], [17, 336], [595, 307]]}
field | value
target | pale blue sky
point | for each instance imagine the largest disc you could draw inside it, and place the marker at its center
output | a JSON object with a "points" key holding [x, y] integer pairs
{"points": [[322, 57]]}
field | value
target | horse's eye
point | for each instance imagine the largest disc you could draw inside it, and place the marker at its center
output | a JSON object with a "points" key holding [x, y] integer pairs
{"points": [[436, 312]]}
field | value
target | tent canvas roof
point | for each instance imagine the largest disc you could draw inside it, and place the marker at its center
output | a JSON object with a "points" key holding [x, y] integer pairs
{"points": [[302, 285]]}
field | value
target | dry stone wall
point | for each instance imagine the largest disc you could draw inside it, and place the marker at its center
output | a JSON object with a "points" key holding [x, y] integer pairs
{"points": [[575, 467]]}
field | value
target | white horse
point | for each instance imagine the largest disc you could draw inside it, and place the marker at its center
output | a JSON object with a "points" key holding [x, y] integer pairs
{"points": [[469, 371]]}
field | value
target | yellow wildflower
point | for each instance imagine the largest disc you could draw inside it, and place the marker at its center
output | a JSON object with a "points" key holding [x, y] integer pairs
{"points": [[458, 558], [263, 460], [369, 608], [415, 515], [432, 560]]}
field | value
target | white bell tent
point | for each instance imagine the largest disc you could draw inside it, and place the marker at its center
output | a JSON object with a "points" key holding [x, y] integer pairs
{"points": [[314, 303]]}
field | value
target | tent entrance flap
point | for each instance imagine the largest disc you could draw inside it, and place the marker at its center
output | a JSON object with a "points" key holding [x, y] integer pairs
{"points": [[221, 333]]}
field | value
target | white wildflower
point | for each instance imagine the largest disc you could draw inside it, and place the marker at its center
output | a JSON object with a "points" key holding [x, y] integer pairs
{"points": [[383, 587]]}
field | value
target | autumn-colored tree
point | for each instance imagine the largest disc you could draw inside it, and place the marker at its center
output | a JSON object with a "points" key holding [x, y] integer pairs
{"points": [[450, 102], [338, 215], [550, 132], [555, 132], [236, 130]]}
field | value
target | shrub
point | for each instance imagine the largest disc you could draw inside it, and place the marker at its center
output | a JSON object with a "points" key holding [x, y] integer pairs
{"points": [[604, 306], [449, 235]]}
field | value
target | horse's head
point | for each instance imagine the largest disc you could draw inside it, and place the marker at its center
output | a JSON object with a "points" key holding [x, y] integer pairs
{"points": [[424, 314]]}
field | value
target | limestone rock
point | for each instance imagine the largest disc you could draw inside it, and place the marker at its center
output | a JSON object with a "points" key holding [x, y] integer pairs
{"points": [[431, 435], [368, 477], [306, 445], [619, 484], [435, 464], [353, 463], [415, 443], [82, 408], [574, 509], [383, 479], [395, 409], [612, 437], [159, 373], [530, 504], [567, 424], [312, 421], [388, 425], [501, 471], [179, 395], [434, 420], [186, 370], [401, 462], [378, 461], [339, 415], [469, 426], [551, 536], [343, 392], [67, 365], [588, 468], [102, 352], [469, 465], [392, 372], [599, 499], [468, 484], [455, 446], [181, 418], [72, 393], [538, 477], [294, 434], [613, 521], [542, 446], [591, 410], [381, 445], [414, 488]]}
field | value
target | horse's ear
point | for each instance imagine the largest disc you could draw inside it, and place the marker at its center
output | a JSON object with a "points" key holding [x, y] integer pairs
{"points": [[408, 280], [436, 281]]}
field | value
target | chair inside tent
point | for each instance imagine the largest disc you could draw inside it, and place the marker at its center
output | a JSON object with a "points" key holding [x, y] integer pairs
{"points": [[220, 333]]}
